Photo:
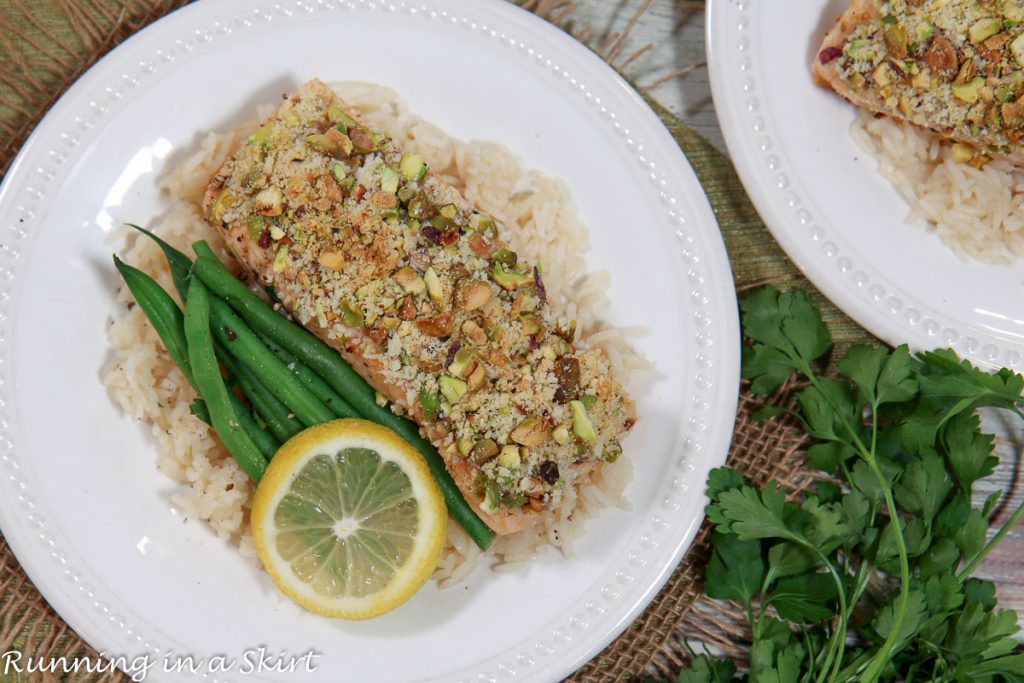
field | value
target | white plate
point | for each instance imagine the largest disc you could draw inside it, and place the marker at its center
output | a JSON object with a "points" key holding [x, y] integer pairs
{"points": [[840, 221], [81, 502]]}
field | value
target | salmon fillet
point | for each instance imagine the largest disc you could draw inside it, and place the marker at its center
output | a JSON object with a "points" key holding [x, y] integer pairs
{"points": [[390, 265], [955, 67]]}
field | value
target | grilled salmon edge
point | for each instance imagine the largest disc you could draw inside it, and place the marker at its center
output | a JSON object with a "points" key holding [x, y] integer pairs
{"points": [[259, 261]]}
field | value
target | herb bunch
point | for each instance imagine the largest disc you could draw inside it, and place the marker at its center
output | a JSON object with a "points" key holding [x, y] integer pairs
{"points": [[866, 576]]}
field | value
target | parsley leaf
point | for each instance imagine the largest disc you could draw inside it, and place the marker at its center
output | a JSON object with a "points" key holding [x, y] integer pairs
{"points": [[736, 569]]}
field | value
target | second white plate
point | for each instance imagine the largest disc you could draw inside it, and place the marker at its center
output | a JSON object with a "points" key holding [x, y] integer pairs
{"points": [[839, 220], [81, 502]]}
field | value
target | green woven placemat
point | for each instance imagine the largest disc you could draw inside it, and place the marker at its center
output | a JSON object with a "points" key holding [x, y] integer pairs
{"points": [[46, 46]]}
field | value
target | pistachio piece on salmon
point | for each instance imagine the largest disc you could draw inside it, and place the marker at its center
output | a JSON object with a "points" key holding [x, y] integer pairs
{"points": [[409, 280], [224, 202], [476, 377], [509, 456], [533, 431], [268, 201], [567, 372], [436, 325], [483, 451], [334, 260], [474, 333], [510, 279], [471, 294], [435, 290]]}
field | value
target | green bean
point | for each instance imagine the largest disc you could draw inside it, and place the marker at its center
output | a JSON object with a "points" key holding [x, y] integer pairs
{"points": [[163, 313], [166, 318], [180, 265], [320, 388], [276, 414], [211, 386], [328, 364], [250, 351]]}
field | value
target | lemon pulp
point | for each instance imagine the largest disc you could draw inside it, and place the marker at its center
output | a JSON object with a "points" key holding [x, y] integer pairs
{"points": [[348, 520]]}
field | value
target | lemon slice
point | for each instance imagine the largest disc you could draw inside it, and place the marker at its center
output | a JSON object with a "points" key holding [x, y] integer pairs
{"points": [[348, 519]]}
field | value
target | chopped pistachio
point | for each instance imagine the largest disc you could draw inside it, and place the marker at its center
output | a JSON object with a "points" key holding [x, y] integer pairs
{"points": [[921, 81], [859, 49], [255, 227], [409, 280], [434, 289], [352, 315], [961, 153], [582, 425], [405, 194], [465, 446], [276, 233], [261, 136], [430, 404], [477, 377], [333, 260], [505, 257], [904, 105], [510, 279], [281, 259], [1013, 11], [1017, 47], [449, 211], [463, 357], [322, 143], [412, 167], [533, 431], [560, 435], [452, 388], [531, 324], [379, 399], [441, 222], [492, 497], [968, 92], [269, 201], [984, 29], [388, 179], [471, 294], [884, 75], [554, 346], [481, 222], [483, 451], [339, 171], [225, 200], [509, 457], [341, 120]]}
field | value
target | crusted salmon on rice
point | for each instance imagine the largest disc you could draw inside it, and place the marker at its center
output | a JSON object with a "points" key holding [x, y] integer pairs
{"points": [[390, 265], [954, 67]]}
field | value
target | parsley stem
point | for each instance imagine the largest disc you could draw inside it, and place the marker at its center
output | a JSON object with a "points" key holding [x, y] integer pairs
{"points": [[837, 641], [880, 659], [969, 568]]}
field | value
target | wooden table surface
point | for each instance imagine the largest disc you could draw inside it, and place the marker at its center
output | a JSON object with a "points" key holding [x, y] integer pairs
{"points": [[675, 31]]}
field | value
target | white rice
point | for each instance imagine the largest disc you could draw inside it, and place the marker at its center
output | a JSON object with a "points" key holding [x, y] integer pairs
{"points": [[544, 228], [979, 213]]}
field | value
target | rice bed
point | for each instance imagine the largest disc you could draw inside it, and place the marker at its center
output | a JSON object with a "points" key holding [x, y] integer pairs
{"points": [[977, 212]]}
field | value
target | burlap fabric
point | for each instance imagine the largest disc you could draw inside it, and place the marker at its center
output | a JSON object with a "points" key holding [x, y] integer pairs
{"points": [[46, 44]]}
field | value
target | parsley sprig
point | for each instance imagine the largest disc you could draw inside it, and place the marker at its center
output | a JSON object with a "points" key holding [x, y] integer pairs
{"points": [[867, 575]]}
